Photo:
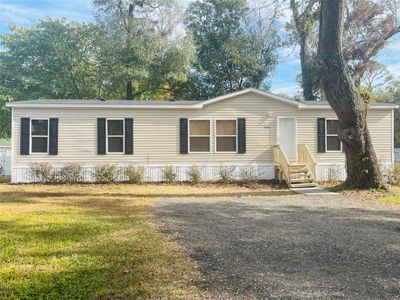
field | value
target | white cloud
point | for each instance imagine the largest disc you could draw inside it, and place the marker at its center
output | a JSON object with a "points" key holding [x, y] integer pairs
{"points": [[394, 69], [21, 14]]}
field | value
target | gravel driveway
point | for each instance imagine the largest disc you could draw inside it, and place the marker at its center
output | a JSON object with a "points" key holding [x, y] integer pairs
{"points": [[289, 247]]}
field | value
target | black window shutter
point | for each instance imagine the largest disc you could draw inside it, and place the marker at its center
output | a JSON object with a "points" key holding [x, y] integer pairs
{"points": [[128, 136], [101, 136], [183, 135], [241, 135], [321, 147], [53, 137], [24, 138]]}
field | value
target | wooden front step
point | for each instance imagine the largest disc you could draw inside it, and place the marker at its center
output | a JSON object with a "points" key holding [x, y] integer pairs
{"points": [[301, 180], [297, 174], [303, 185], [300, 176], [298, 171]]}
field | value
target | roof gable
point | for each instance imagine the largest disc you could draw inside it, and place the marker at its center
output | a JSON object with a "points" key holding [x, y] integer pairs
{"points": [[254, 91]]}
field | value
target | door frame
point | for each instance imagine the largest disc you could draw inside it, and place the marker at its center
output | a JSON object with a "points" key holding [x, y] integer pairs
{"points": [[295, 130]]}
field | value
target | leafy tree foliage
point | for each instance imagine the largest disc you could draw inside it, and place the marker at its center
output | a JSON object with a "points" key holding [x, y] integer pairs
{"points": [[235, 45], [368, 26], [59, 59], [142, 55], [53, 59]]}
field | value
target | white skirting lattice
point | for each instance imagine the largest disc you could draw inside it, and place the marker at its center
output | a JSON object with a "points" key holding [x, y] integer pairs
{"points": [[153, 173]]}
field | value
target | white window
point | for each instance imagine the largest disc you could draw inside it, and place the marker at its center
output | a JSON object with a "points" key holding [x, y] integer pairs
{"points": [[39, 135], [333, 144], [115, 136], [199, 135], [226, 136]]}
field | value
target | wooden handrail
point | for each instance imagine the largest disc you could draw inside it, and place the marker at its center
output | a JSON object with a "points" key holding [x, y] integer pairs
{"points": [[305, 157], [281, 160]]}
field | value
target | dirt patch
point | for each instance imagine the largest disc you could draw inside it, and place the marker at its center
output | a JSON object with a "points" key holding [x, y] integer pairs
{"points": [[366, 196]]}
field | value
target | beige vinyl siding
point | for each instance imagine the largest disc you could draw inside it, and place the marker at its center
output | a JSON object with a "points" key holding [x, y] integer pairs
{"points": [[156, 132]]}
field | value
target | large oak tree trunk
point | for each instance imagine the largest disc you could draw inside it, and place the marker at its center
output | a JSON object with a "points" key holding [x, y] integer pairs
{"points": [[339, 89]]}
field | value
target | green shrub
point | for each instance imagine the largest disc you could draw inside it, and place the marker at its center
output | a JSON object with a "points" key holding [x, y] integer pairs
{"points": [[106, 173], [42, 172], [225, 174], [70, 173], [135, 174], [249, 175], [169, 174], [194, 174]]}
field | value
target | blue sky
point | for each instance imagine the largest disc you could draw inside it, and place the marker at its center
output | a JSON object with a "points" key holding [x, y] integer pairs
{"points": [[27, 12]]}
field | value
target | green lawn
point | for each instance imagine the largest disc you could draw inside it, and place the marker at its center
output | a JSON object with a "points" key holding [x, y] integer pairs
{"points": [[95, 241], [85, 242]]}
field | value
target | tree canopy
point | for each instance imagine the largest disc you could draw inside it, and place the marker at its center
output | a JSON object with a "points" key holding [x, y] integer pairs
{"points": [[143, 54], [367, 28], [153, 49], [236, 45]]}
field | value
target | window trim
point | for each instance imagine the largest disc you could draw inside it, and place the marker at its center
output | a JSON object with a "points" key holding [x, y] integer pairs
{"points": [[209, 136], [216, 135], [123, 136], [46, 136], [335, 135]]}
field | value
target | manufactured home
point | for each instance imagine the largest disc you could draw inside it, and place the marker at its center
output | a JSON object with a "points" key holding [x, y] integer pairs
{"points": [[297, 141]]}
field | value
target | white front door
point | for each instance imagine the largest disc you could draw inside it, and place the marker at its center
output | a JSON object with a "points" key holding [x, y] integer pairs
{"points": [[287, 137]]}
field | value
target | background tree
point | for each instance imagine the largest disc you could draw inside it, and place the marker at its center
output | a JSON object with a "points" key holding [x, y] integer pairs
{"points": [[53, 59], [376, 78], [305, 14], [344, 98], [143, 55], [236, 45], [368, 26]]}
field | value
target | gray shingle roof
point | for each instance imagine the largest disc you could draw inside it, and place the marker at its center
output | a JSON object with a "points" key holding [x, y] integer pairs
{"points": [[107, 102], [324, 103]]}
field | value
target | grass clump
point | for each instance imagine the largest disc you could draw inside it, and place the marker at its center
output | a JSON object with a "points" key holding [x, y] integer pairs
{"points": [[392, 199]]}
